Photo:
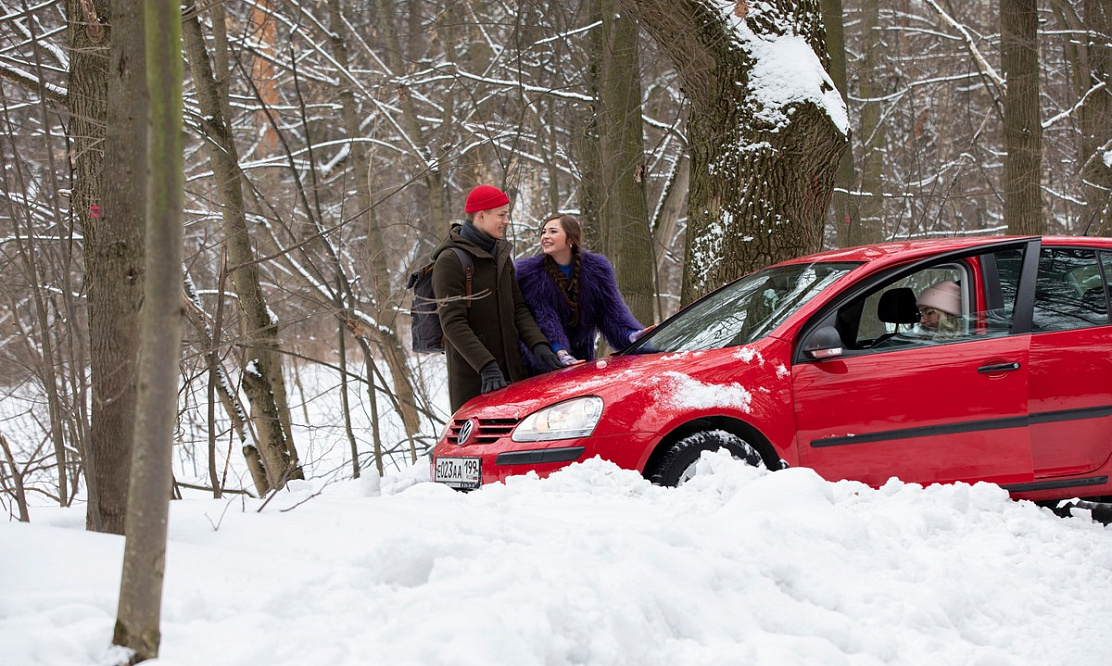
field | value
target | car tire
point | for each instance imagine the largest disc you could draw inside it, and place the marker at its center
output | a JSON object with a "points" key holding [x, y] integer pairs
{"points": [[678, 463]]}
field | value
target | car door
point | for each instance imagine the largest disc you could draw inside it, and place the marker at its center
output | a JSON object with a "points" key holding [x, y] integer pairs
{"points": [[1071, 366], [922, 409]]}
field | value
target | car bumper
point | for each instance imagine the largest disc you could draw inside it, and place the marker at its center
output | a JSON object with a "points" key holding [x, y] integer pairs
{"points": [[507, 458]]}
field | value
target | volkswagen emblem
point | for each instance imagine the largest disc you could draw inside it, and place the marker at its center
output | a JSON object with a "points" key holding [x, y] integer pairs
{"points": [[465, 431]]}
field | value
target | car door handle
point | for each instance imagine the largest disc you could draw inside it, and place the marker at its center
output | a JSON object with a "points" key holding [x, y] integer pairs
{"points": [[998, 367]]}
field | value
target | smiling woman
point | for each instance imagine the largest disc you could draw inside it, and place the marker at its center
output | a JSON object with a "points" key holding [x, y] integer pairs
{"points": [[574, 295]]}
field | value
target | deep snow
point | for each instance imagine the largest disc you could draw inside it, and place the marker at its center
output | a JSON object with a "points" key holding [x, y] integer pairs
{"points": [[591, 566]]}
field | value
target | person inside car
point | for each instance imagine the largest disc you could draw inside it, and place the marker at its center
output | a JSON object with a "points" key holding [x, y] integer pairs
{"points": [[940, 310]]}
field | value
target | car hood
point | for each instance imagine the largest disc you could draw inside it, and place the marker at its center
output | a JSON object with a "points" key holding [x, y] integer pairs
{"points": [[615, 377]]}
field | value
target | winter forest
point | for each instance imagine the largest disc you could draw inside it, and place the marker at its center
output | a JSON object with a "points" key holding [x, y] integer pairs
{"points": [[327, 146]]}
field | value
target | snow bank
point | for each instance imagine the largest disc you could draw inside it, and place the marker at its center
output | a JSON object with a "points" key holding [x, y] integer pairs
{"points": [[590, 566]]}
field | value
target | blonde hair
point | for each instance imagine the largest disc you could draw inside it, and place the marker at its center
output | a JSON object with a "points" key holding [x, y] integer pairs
{"points": [[949, 326]]}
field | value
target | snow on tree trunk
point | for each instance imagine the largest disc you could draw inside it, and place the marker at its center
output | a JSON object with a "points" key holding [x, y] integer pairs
{"points": [[365, 218], [766, 131]]}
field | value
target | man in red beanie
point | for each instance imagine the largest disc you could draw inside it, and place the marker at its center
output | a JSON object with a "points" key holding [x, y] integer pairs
{"points": [[481, 334]]}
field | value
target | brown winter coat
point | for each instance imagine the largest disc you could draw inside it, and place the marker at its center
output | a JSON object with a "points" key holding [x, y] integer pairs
{"points": [[490, 329]]}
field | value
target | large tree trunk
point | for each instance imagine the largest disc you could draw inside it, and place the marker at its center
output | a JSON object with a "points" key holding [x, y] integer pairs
{"points": [[1019, 25], [623, 213], [88, 108], [114, 272], [762, 167], [139, 614], [263, 382]]}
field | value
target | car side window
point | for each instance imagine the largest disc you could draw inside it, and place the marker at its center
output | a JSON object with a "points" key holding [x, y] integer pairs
{"points": [[1070, 291], [968, 299], [894, 311]]}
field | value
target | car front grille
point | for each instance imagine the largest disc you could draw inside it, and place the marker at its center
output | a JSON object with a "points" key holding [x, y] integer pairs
{"points": [[484, 431]]}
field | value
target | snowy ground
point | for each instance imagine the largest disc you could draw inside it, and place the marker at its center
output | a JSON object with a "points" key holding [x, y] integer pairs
{"points": [[591, 566]]}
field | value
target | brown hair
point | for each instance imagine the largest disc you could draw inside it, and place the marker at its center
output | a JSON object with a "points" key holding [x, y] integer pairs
{"points": [[569, 289], [571, 226]]}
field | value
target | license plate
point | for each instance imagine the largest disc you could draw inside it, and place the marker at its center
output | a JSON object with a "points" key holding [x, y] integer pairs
{"points": [[461, 473]]}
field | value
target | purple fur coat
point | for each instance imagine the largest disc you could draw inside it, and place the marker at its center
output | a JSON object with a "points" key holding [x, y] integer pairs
{"points": [[601, 309]]}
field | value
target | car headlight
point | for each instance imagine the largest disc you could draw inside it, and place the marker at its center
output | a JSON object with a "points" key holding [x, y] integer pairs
{"points": [[565, 420]]}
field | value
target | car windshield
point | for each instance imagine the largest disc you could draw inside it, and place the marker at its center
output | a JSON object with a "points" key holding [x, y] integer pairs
{"points": [[742, 311]]}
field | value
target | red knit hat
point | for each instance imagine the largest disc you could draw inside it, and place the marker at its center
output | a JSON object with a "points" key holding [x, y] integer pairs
{"points": [[485, 197]]}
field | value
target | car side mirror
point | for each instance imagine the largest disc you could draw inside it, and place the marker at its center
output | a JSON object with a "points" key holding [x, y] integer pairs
{"points": [[823, 343]]}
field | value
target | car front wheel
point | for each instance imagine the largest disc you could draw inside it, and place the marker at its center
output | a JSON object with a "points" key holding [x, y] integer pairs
{"points": [[678, 464]]}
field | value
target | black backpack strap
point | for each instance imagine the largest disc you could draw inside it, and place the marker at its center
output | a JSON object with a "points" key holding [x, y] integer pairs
{"points": [[468, 268]]}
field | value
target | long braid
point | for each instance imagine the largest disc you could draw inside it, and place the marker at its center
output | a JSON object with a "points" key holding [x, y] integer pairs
{"points": [[576, 264], [569, 289]]}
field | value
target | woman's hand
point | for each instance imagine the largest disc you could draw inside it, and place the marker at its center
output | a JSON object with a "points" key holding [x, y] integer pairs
{"points": [[634, 336], [565, 358]]}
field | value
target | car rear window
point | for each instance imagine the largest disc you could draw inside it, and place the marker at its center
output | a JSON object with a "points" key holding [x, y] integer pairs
{"points": [[1069, 291]]}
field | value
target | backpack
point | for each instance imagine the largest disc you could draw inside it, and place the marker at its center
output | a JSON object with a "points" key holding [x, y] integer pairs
{"points": [[426, 333]]}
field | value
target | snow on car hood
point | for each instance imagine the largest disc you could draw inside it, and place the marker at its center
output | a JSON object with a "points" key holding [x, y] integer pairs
{"points": [[682, 390], [676, 379]]}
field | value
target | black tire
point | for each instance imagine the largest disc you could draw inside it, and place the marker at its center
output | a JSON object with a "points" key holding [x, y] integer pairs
{"points": [[678, 463]]}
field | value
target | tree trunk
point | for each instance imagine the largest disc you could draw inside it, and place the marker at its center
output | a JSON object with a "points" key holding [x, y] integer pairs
{"points": [[588, 142], [671, 209], [87, 98], [1095, 120], [380, 282], [263, 382], [430, 163], [20, 492], [114, 273], [139, 615], [762, 168], [624, 215], [1019, 57], [845, 214], [220, 388], [868, 226]]}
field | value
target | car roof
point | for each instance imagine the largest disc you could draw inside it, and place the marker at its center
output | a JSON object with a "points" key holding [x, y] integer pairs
{"points": [[895, 251]]}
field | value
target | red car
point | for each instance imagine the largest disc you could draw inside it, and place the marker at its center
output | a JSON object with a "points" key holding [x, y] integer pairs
{"points": [[933, 361]]}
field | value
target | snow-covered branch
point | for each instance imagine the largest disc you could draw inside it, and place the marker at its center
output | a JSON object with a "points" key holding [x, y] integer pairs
{"points": [[971, 44], [1081, 102]]}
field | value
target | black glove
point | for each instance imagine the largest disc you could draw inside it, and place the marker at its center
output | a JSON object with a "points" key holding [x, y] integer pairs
{"points": [[492, 377], [543, 354]]}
